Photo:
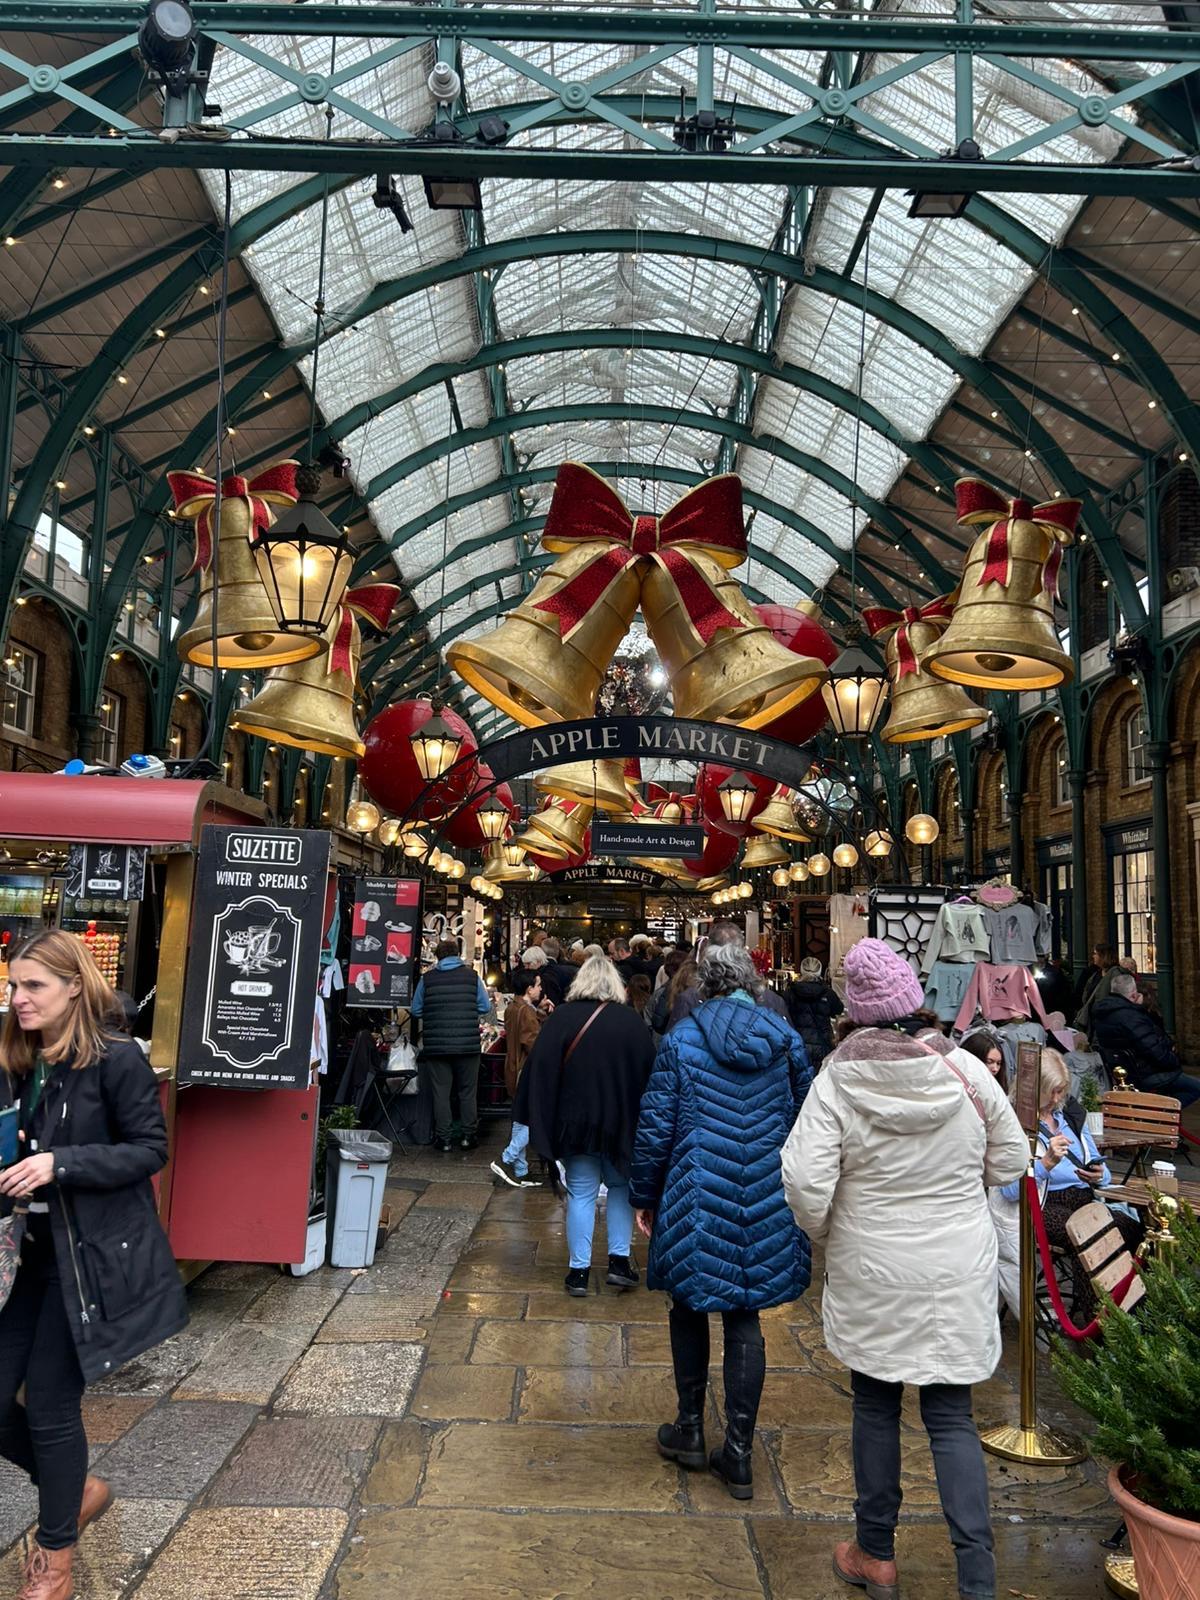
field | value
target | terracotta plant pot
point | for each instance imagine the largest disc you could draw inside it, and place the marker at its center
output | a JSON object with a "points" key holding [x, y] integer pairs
{"points": [[1166, 1549]]}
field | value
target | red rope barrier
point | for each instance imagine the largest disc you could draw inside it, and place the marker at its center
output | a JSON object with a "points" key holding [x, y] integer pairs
{"points": [[1056, 1299]]}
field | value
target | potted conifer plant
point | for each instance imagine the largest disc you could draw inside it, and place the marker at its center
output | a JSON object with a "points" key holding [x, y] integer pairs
{"points": [[1093, 1106], [1142, 1386]]}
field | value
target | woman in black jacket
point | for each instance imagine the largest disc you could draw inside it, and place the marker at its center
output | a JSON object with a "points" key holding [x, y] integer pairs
{"points": [[812, 1006], [97, 1282], [581, 1091]]}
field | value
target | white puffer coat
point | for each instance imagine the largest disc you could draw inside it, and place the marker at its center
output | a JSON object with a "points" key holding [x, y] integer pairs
{"points": [[886, 1168]]}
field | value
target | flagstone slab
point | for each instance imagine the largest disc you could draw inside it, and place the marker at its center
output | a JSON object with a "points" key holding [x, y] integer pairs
{"points": [[297, 1461], [353, 1380], [221, 1553], [576, 1554], [535, 1467], [299, 1303], [399, 1463], [482, 1303], [111, 1553], [549, 1344], [248, 1362], [514, 1254], [372, 1318], [582, 1394], [450, 1340], [448, 1392], [607, 1305], [174, 1450], [457, 1196], [157, 1370], [107, 1416]]}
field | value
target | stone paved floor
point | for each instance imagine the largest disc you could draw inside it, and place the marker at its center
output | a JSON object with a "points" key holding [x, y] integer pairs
{"points": [[449, 1424]]}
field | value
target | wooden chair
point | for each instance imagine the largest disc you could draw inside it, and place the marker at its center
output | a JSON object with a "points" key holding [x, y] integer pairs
{"points": [[1139, 1123], [1097, 1242]]}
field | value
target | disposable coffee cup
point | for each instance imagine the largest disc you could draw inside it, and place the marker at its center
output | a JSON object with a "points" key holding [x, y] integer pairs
{"points": [[1163, 1177]]}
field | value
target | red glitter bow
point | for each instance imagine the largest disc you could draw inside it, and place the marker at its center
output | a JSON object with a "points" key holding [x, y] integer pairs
{"points": [[977, 501], [375, 601], [586, 509], [880, 621], [195, 494], [662, 801]]}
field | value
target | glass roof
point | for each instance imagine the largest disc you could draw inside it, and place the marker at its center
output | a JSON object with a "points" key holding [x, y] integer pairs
{"points": [[958, 277]]}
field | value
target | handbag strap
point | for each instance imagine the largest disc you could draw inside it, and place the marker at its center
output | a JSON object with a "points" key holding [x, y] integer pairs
{"points": [[570, 1050], [972, 1091]]}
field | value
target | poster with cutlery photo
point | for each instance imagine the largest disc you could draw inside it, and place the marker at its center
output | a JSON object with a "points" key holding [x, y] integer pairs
{"points": [[253, 960], [385, 941]]}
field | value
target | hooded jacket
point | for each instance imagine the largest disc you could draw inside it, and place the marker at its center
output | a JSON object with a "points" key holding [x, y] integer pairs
{"points": [[812, 1006], [886, 1167], [1128, 1033], [724, 1092]]}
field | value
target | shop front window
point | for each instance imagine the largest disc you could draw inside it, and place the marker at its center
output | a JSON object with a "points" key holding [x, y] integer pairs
{"points": [[112, 709], [1062, 785], [22, 672], [1136, 769], [1133, 907]]}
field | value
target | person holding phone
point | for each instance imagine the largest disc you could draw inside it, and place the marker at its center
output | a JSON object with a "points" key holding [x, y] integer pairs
{"points": [[1071, 1169]]}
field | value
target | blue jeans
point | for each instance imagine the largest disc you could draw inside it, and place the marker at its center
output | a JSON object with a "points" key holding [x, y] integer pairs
{"points": [[514, 1150], [957, 1461], [1185, 1089], [585, 1174]]}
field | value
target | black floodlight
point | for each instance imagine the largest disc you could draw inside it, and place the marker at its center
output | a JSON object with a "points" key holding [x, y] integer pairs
{"points": [[926, 203], [167, 40]]}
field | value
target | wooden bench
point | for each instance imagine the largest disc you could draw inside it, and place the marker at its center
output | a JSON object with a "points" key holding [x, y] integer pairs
{"points": [[1140, 1123]]}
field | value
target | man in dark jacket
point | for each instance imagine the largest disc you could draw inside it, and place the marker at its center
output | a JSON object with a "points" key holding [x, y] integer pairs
{"points": [[812, 1005], [621, 957], [557, 975], [449, 1001], [1126, 1034]]}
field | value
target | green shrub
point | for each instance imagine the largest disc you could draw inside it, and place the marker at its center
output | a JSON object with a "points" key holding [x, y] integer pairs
{"points": [[339, 1117]]}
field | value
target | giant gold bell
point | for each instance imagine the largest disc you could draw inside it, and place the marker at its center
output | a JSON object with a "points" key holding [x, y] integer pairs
{"points": [[248, 634], [762, 850], [563, 824], [600, 784], [541, 844], [1002, 636], [923, 706], [744, 675], [529, 670], [778, 816], [307, 706], [497, 870]]}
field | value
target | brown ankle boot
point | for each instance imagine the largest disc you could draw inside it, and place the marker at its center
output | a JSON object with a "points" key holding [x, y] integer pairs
{"points": [[97, 1497], [878, 1578], [48, 1575]]}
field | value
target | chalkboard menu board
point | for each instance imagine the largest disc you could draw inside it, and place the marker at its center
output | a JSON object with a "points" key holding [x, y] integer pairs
{"points": [[385, 942], [252, 963]]}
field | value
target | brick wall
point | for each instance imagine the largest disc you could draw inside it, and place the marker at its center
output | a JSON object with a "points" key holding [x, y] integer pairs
{"points": [[39, 626]]}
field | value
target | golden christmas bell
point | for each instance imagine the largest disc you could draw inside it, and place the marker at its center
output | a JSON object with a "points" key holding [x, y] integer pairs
{"points": [[762, 850], [248, 633], [600, 784], [743, 675], [541, 844], [778, 816], [921, 706], [498, 869], [308, 706], [527, 668], [1002, 635], [564, 824]]}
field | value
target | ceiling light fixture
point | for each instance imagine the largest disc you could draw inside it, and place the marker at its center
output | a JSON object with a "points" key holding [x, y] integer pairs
{"points": [[927, 203], [388, 198]]}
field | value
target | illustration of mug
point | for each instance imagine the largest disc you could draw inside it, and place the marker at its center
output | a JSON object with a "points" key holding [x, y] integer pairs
{"points": [[252, 949]]}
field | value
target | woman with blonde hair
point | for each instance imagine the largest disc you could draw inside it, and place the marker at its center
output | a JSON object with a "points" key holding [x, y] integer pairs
{"points": [[581, 1090], [96, 1282]]}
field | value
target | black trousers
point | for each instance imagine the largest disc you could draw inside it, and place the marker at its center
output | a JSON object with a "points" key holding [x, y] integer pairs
{"points": [[745, 1364], [460, 1073], [44, 1437]]}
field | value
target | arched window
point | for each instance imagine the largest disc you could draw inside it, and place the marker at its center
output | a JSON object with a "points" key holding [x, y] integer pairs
{"points": [[1060, 786], [1135, 768]]}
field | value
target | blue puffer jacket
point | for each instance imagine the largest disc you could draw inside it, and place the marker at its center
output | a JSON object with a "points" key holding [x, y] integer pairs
{"points": [[726, 1088]]}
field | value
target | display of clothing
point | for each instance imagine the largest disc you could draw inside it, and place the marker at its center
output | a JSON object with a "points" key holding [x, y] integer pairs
{"points": [[961, 933], [847, 925], [1012, 1034], [946, 988], [1002, 993], [1014, 933]]}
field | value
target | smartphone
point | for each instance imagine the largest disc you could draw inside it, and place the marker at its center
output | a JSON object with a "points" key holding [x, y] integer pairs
{"points": [[1094, 1168], [9, 1143]]}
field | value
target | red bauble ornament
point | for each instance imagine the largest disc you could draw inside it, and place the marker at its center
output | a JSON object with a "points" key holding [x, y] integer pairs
{"points": [[804, 636], [464, 830], [711, 811], [389, 770], [719, 852]]}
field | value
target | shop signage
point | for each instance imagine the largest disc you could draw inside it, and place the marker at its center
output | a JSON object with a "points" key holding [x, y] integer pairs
{"points": [[252, 965], [1027, 1094], [1050, 850], [636, 877], [117, 870], [385, 942], [998, 860], [628, 839], [534, 749], [1125, 841]]}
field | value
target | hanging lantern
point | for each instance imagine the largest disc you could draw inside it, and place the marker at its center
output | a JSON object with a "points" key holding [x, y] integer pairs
{"points": [[599, 784], [459, 869], [745, 890], [781, 877], [513, 853], [389, 770], [493, 816], [845, 855], [923, 706], [435, 746], [857, 688], [303, 561], [921, 829], [737, 795], [248, 632], [1002, 635], [413, 841], [362, 816], [779, 817], [878, 843], [763, 851], [818, 865], [463, 827], [389, 831], [798, 872]]}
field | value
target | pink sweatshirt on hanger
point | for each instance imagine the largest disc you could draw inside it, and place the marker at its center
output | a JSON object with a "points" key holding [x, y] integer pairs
{"points": [[1001, 993]]}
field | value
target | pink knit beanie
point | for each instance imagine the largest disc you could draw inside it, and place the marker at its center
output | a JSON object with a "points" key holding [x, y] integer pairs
{"points": [[880, 985]]}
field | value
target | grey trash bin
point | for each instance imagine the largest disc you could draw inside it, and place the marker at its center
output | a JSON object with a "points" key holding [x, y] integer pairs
{"points": [[356, 1176]]}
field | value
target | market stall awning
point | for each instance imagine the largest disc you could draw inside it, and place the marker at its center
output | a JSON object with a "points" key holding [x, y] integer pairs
{"points": [[39, 805]]}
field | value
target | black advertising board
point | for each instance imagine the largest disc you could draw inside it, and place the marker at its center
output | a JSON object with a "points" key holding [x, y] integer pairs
{"points": [[117, 870], [385, 942], [257, 924], [631, 839]]}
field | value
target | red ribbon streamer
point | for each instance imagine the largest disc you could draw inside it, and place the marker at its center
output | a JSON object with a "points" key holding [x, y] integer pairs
{"points": [[195, 493], [1056, 1300], [879, 621], [375, 601], [587, 510], [977, 501]]}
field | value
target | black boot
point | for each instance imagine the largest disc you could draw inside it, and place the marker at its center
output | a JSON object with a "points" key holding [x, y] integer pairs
{"points": [[683, 1439], [745, 1369]]}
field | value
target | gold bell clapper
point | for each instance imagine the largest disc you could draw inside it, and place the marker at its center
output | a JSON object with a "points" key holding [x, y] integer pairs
{"points": [[564, 824], [778, 816], [762, 850], [248, 633], [921, 706], [1002, 634], [310, 704], [599, 784]]}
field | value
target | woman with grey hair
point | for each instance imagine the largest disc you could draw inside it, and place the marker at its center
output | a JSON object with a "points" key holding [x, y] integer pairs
{"points": [[727, 1085], [583, 1085]]}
